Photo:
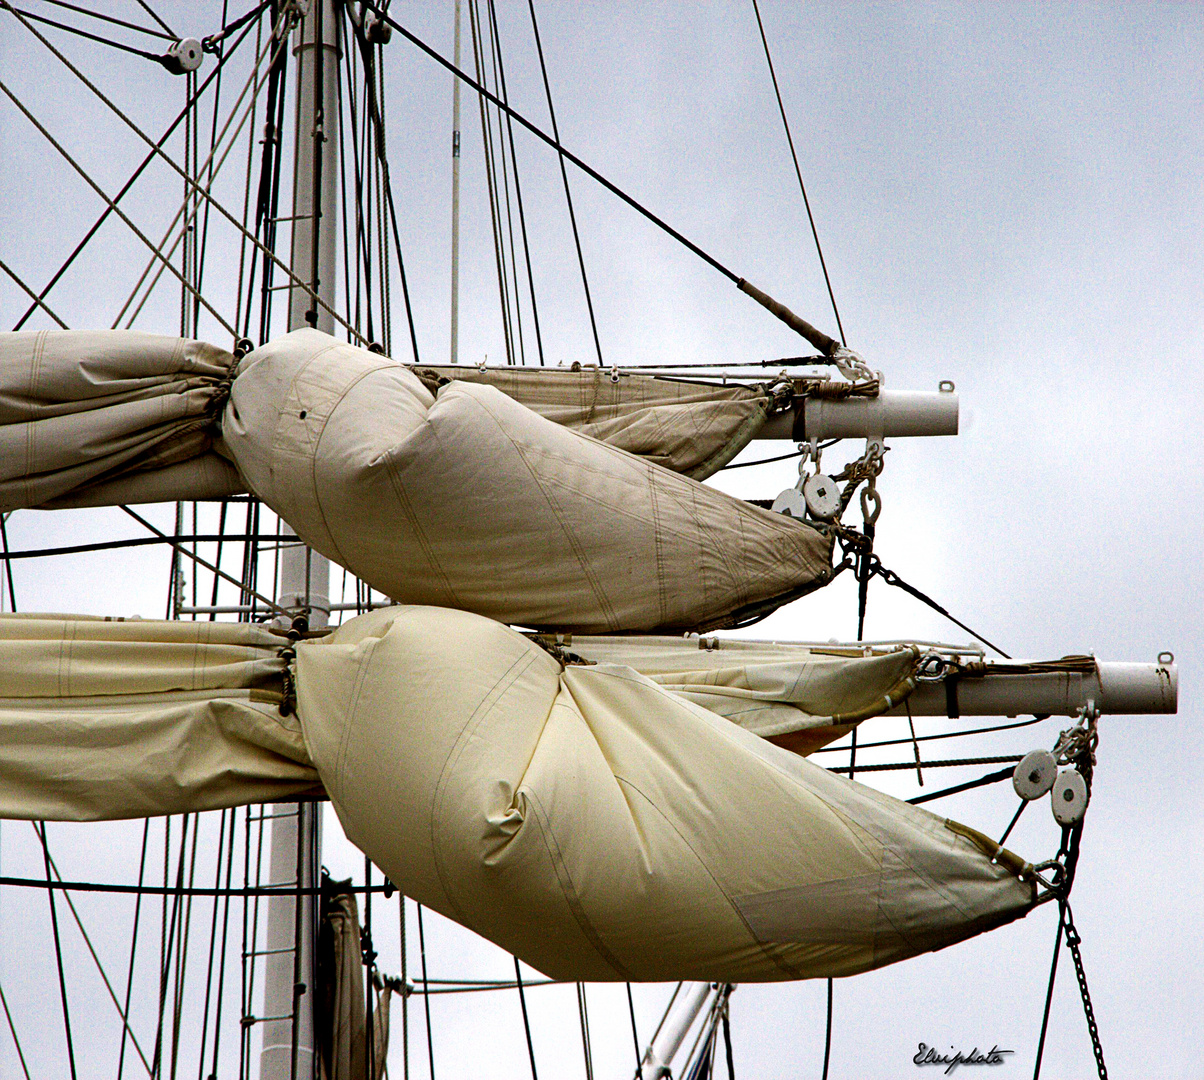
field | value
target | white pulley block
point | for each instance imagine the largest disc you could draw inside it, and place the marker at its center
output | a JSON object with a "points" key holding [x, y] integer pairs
{"points": [[791, 503], [822, 495], [184, 56], [1035, 774], [1069, 797]]}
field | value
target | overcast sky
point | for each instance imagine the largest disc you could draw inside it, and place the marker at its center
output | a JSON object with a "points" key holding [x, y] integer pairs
{"points": [[1009, 196]]}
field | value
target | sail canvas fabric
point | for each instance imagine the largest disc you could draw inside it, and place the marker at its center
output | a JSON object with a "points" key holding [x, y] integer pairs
{"points": [[798, 696], [92, 418], [601, 827], [692, 428], [470, 500], [584, 817], [103, 719]]}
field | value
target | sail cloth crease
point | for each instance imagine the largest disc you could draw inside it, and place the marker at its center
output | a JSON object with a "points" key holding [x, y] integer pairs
{"points": [[692, 428], [104, 719], [472, 501], [601, 827], [92, 418]]}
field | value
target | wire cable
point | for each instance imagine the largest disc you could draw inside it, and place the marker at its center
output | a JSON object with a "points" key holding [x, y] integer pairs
{"points": [[83, 33], [797, 171], [564, 176], [130, 182], [37, 300], [13, 1029], [111, 19]]}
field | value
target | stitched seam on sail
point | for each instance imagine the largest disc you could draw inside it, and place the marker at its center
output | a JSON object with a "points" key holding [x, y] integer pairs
{"points": [[486, 705], [569, 890]]}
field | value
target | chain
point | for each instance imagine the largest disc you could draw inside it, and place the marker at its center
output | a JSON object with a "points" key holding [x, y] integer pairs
{"points": [[1073, 940], [1077, 745]]}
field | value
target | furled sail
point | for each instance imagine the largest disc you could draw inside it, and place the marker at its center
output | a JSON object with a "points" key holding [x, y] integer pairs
{"points": [[591, 821], [465, 498], [601, 827], [108, 719], [470, 500], [94, 418], [801, 697], [692, 428]]}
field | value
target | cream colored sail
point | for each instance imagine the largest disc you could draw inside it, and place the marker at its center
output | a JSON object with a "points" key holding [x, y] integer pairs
{"points": [[463, 499], [470, 500], [586, 818]]}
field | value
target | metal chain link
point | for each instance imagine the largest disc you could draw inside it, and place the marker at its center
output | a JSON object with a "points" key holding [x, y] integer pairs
{"points": [[1073, 940]]}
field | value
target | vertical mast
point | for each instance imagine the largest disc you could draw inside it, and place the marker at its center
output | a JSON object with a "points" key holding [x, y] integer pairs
{"points": [[288, 1051], [455, 259]]}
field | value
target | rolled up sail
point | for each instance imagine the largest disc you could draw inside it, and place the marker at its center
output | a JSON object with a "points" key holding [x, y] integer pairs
{"points": [[470, 500], [586, 818], [690, 427], [93, 418], [601, 827], [104, 719], [800, 697]]}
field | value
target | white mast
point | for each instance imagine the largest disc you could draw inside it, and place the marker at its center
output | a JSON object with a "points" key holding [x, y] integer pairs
{"points": [[455, 259], [289, 983]]}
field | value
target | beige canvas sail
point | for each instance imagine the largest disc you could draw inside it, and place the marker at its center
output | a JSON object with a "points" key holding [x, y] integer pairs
{"points": [[105, 719], [591, 821], [91, 418], [602, 827], [692, 428], [470, 500]]}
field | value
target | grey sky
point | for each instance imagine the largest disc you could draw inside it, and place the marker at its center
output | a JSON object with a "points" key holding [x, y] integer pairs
{"points": [[1009, 196]]}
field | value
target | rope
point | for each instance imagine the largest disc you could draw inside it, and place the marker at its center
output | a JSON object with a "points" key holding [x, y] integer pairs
{"points": [[522, 1000], [946, 764], [818, 339], [85, 34], [12, 1028], [828, 1035], [564, 176], [635, 1038], [1053, 971], [37, 300], [58, 948], [727, 1044], [130, 182], [518, 191], [891, 578], [146, 7], [990, 778], [426, 998], [108, 201], [942, 735], [293, 279], [583, 1013], [798, 172], [129, 982]]}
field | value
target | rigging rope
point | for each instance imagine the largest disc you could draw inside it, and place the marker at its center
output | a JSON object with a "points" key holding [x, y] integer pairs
{"points": [[84, 33], [798, 172], [522, 1000], [990, 778], [13, 1028], [426, 998], [40, 829], [564, 176], [518, 191], [821, 341]]}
